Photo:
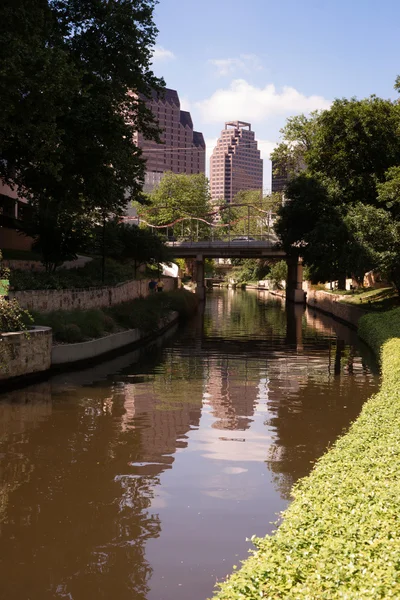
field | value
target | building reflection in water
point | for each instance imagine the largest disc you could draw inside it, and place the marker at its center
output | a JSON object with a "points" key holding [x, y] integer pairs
{"points": [[143, 479]]}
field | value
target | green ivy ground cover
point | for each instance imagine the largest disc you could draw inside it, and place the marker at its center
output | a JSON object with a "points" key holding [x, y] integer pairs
{"points": [[340, 538]]}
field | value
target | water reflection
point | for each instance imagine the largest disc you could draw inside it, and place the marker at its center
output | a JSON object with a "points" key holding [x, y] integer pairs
{"points": [[143, 479]]}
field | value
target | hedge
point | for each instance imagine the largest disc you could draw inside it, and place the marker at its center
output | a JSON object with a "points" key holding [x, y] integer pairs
{"points": [[340, 537]]}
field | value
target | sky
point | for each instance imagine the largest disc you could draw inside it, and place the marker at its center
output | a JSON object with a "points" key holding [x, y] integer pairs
{"points": [[262, 61]]}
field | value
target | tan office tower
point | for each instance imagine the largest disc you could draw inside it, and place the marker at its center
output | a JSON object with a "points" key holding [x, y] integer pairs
{"points": [[182, 151], [235, 163]]}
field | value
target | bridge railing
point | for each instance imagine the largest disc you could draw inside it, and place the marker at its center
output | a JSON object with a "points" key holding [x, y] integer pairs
{"points": [[233, 240]]}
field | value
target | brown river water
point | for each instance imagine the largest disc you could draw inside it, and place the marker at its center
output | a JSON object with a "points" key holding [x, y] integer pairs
{"points": [[141, 478]]}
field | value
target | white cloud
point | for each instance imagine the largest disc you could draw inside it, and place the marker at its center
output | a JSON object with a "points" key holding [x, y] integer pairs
{"points": [[228, 66], [161, 54], [266, 147], [185, 103], [245, 101]]}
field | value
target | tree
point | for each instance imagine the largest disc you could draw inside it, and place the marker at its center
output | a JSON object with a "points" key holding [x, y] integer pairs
{"points": [[178, 197], [297, 139], [58, 234], [355, 142], [278, 273], [132, 244], [347, 150], [68, 111], [311, 225], [389, 192]]}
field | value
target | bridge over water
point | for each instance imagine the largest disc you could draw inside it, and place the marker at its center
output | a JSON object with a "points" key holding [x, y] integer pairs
{"points": [[199, 250], [216, 236]]}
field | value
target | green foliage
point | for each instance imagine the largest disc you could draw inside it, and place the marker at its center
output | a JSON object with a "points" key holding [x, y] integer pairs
{"points": [[297, 139], [75, 325], [376, 329], [136, 245], [59, 232], [340, 538], [389, 191], [355, 142], [87, 276], [278, 273], [67, 112], [255, 216], [4, 271], [351, 152], [13, 317], [179, 196], [250, 269]]}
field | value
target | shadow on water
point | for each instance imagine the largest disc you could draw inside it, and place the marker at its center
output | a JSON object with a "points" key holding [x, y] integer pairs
{"points": [[142, 477]]}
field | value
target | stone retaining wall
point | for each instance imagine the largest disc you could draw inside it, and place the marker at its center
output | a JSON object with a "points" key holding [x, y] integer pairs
{"points": [[86, 298], [330, 304], [24, 353]]}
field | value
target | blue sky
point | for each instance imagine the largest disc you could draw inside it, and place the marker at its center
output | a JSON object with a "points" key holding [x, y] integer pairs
{"points": [[262, 61]]}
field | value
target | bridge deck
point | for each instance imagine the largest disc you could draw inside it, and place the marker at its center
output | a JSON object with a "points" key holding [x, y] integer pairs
{"points": [[226, 249]]}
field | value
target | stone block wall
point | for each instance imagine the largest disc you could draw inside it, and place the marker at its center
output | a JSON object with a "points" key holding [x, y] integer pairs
{"points": [[330, 304], [24, 353], [86, 298]]}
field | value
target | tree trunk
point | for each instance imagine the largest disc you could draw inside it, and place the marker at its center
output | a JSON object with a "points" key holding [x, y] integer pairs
{"points": [[342, 282]]}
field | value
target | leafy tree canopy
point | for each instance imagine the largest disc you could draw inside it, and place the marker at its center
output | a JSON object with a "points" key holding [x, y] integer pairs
{"points": [[67, 111], [351, 153], [178, 196]]}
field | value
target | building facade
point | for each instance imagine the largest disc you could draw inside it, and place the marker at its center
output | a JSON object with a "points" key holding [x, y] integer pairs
{"points": [[280, 177], [282, 173], [182, 150], [235, 163]]}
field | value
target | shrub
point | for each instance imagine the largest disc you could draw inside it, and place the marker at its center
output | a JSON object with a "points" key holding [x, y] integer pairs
{"points": [[4, 271], [340, 538], [70, 333], [13, 317]]}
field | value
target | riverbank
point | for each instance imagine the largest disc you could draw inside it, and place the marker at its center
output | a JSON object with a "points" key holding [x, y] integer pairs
{"points": [[340, 537]]}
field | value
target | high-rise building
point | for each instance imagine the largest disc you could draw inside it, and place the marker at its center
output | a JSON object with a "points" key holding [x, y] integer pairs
{"points": [[182, 150], [235, 163]]}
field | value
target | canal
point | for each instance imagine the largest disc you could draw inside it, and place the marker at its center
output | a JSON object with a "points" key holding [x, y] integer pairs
{"points": [[141, 478]]}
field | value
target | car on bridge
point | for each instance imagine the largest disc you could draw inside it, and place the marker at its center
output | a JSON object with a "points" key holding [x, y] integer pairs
{"points": [[243, 238]]}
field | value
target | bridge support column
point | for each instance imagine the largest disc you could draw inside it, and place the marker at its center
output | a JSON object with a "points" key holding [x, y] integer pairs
{"points": [[294, 281], [200, 287]]}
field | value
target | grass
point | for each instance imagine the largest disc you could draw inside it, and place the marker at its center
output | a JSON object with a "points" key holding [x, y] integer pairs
{"points": [[143, 313], [340, 538], [377, 299]]}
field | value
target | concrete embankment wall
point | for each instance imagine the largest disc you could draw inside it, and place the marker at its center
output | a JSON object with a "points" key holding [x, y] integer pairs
{"points": [[331, 305], [24, 353], [86, 298], [71, 353]]}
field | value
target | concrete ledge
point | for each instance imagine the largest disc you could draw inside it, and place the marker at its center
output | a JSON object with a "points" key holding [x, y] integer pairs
{"points": [[73, 353]]}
